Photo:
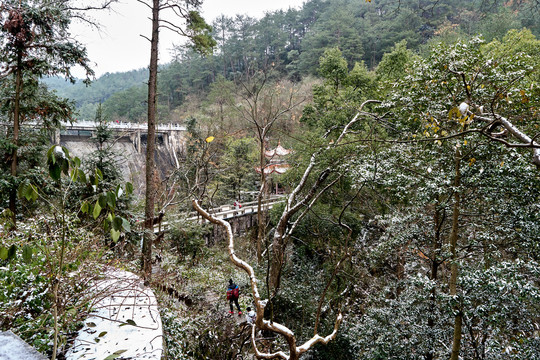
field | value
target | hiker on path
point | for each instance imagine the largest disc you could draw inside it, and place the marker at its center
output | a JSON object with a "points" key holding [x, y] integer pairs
{"points": [[233, 291], [251, 316]]}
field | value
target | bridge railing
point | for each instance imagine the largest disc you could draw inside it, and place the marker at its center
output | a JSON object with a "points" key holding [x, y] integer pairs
{"points": [[125, 126], [230, 211], [85, 124]]}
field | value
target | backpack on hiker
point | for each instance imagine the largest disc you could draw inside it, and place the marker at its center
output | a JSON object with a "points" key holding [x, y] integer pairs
{"points": [[233, 293]]}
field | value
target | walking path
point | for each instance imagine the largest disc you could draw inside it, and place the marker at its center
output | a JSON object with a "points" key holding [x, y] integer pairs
{"points": [[125, 323], [13, 347]]}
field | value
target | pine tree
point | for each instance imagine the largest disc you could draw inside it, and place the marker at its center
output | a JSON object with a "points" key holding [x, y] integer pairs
{"points": [[34, 42]]}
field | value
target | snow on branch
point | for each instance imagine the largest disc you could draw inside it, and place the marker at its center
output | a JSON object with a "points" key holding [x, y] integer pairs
{"points": [[526, 140], [260, 322], [319, 339]]}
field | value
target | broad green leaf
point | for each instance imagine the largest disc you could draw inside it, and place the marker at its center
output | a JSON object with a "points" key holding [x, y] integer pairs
{"points": [[76, 161], [91, 324], [102, 199], [110, 217], [74, 174], [55, 171], [3, 253], [96, 179], [34, 192], [82, 176], [12, 252], [50, 156], [126, 225], [102, 334], [115, 354], [97, 210], [28, 191], [21, 191], [115, 235], [111, 200], [65, 167], [117, 223], [27, 254], [66, 151], [85, 207], [99, 174], [129, 188]]}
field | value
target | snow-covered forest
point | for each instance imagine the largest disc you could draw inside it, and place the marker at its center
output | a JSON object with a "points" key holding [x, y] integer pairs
{"points": [[398, 143]]}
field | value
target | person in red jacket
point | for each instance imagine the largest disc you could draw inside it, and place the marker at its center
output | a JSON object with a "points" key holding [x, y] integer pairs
{"points": [[233, 292]]}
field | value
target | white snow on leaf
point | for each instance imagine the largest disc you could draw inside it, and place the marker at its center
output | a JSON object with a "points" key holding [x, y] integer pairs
{"points": [[463, 108], [59, 152]]}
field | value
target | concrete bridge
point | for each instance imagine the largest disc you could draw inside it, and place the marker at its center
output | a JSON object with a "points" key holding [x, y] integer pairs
{"points": [[241, 218]]}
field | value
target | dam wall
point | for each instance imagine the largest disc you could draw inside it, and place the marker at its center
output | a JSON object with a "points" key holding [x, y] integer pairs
{"points": [[129, 151]]}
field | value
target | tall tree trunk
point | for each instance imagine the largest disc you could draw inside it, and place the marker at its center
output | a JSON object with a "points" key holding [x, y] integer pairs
{"points": [[456, 343], [261, 221], [435, 262], [223, 46], [16, 126], [151, 145], [278, 256]]}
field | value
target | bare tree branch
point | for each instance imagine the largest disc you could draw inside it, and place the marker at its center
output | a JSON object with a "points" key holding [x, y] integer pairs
{"points": [[260, 322], [524, 138], [174, 28]]}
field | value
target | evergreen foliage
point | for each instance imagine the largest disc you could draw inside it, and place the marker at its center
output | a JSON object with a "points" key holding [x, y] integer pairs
{"points": [[425, 233], [294, 40]]}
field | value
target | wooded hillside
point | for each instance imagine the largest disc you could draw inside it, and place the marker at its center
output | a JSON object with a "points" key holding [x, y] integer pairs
{"points": [[397, 141], [292, 42]]}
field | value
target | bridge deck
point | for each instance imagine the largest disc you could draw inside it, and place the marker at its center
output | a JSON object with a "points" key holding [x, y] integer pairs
{"points": [[125, 126], [225, 212], [87, 125]]}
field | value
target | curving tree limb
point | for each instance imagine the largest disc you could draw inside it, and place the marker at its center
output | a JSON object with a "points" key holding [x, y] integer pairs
{"points": [[294, 351], [526, 140]]}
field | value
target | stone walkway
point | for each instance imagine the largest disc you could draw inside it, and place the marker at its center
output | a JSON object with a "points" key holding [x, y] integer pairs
{"points": [[125, 323], [13, 347]]}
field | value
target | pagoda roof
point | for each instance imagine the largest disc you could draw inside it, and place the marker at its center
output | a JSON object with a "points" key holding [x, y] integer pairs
{"points": [[274, 168], [278, 151]]}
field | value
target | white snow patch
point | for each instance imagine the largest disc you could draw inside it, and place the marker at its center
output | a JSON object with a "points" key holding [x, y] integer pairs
{"points": [[126, 321], [59, 152], [13, 347]]}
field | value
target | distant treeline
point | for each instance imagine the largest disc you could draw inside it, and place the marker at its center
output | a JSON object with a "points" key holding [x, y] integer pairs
{"points": [[292, 41]]}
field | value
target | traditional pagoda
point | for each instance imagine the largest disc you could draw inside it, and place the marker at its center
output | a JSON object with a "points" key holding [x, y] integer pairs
{"points": [[276, 163]]}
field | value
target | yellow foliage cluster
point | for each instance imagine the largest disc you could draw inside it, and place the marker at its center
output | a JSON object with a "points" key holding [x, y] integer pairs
{"points": [[455, 114]]}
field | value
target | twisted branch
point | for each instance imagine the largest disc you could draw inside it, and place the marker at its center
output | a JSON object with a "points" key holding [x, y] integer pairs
{"points": [[260, 322]]}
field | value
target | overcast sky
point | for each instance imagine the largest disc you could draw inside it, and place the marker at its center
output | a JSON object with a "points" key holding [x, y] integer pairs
{"points": [[118, 46]]}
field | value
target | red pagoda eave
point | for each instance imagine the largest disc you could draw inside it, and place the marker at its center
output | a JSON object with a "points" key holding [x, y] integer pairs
{"points": [[274, 168]]}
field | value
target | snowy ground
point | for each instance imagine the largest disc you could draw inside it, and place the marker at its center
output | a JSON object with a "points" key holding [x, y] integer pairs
{"points": [[125, 324]]}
